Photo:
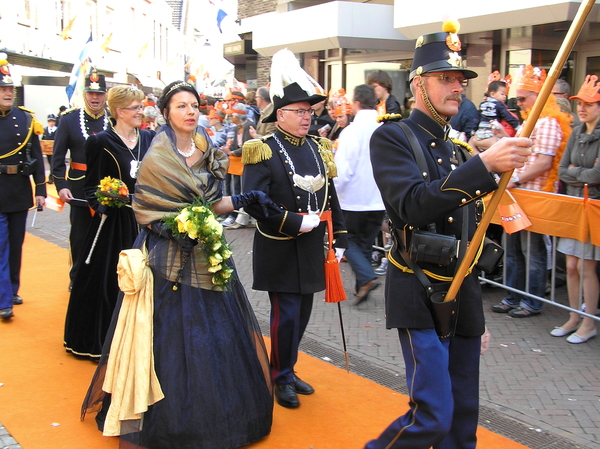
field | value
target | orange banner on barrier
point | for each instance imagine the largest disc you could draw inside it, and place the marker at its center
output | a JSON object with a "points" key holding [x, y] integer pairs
{"points": [[557, 215]]}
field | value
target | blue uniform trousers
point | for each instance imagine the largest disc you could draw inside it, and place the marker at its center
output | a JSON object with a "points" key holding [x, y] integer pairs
{"points": [[443, 384], [290, 313], [12, 234]]}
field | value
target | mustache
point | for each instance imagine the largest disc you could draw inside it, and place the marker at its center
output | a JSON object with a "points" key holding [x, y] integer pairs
{"points": [[454, 97]]}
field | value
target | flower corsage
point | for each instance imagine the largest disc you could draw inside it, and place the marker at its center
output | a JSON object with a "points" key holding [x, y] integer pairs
{"points": [[198, 222], [112, 192]]}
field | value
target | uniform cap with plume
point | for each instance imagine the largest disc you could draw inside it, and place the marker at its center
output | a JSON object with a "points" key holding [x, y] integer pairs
{"points": [[291, 84]]}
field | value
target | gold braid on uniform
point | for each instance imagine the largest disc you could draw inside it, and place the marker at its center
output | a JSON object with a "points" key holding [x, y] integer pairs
{"points": [[462, 144], [435, 114], [255, 151], [389, 118], [325, 148]]}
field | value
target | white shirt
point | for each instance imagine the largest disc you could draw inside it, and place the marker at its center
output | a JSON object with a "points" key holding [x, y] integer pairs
{"points": [[355, 184]]}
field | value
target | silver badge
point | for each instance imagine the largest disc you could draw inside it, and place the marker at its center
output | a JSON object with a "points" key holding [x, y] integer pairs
{"points": [[135, 167]]}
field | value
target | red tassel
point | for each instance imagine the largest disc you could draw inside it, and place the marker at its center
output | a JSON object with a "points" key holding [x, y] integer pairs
{"points": [[334, 288]]}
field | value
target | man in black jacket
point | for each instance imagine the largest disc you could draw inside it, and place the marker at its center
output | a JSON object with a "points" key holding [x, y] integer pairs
{"points": [[75, 127], [294, 169], [20, 158], [442, 368]]}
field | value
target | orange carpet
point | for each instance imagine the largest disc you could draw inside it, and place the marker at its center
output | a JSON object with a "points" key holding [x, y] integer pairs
{"points": [[42, 386]]}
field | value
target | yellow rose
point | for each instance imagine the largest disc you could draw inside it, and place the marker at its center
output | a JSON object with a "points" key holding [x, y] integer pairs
{"points": [[215, 268]]}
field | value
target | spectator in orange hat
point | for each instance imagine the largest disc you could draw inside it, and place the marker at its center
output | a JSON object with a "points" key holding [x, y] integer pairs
{"points": [[579, 167]]}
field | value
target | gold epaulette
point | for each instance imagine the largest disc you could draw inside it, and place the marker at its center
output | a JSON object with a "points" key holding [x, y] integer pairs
{"points": [[256, 150], [68, 111], [462, 144], [389, 118], [38, 128], [26, 110], [326, 152]]}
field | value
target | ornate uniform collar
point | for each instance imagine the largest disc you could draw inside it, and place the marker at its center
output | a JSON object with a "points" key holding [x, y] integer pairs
{"points": [[296, 141]]}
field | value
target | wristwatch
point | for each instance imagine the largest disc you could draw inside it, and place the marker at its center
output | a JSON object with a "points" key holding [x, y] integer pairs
{"points": [[515, 181]]}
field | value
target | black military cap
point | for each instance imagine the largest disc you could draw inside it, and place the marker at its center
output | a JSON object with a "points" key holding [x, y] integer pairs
{"points": [[5, 78], [94, 82], [440, 52]]}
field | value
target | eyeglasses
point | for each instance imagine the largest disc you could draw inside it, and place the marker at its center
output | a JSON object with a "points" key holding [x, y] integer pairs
{"points": [[134, 108], [300, 112], [449, 79], [522, 99]]}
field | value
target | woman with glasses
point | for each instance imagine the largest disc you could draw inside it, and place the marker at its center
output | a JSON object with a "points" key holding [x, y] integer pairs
{"points": [[206, 346], [579, 167], [115, 153]]}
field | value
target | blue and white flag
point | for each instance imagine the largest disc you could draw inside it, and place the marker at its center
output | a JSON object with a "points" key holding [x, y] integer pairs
{"points": [[81, 68]]}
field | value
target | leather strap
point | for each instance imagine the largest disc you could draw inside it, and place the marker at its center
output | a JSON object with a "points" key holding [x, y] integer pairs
{"points": [[11, 169]]}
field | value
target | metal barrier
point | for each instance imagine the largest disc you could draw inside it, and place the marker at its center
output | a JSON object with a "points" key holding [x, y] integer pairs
{"points": [[553, 269]]}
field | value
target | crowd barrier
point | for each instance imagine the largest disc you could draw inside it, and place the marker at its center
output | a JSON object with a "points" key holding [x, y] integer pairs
{"points": [[557, 216]]}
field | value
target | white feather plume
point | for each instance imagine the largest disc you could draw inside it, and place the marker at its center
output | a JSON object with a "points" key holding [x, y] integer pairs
{"points": [[285, 70]]}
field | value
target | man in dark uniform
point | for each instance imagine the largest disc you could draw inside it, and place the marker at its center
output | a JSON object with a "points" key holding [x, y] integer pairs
{"points": [[75, 127], [442, 371], [20, 157], [295, 171], [49, 133]]}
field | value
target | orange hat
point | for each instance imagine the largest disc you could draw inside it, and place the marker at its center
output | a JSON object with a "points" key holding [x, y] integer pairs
{"points": [[588, 91], [495, 76], [216, 114], [531, 78], [238, 108], [342, 107]]}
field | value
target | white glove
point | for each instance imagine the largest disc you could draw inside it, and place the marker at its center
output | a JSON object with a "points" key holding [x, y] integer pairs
{"points": [[485, 341], [339, 253], [309, 222]]}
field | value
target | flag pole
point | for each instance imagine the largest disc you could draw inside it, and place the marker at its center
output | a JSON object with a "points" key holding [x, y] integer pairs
{"points": [[566, 47]]}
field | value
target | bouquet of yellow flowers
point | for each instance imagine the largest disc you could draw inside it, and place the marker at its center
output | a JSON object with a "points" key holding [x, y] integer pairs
{"points": [[112, 192], [198, 222]]}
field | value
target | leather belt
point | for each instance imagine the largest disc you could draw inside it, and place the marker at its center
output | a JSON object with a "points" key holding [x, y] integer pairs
{"points": [[79, 166], [11, 169]]}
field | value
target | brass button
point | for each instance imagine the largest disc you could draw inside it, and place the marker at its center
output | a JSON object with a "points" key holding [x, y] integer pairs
{"points": [[450, 219], [440, 161], [463, 200], [432, 144], [290, 173], [424, 175], [285, 162], [298, 197], [477, 192], [299, 210]]}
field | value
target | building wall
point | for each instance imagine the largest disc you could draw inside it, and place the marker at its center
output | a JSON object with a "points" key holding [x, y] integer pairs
{"points": [[250, 8]]}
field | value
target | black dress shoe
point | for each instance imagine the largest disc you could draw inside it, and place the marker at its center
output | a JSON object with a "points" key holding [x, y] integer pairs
{"points": [[302, 387], [286, 396], [17, 300], [6, 314]]}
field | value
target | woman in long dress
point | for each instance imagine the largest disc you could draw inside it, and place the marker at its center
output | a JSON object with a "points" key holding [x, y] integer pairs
{"points": [[209, 355], [116, 153], [580, 166]]}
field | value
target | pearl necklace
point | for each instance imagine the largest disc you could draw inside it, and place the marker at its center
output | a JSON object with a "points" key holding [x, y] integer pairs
{"points": [[189, 153], [82, 123], [128, 140]]}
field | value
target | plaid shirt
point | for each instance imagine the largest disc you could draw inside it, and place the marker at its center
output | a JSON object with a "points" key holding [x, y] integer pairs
{"points": [[547, 137]]}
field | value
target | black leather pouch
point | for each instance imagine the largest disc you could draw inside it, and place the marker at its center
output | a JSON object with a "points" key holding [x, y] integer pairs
{"points": [[428, 247], [490, 257], [444, 314], [29, 167]]}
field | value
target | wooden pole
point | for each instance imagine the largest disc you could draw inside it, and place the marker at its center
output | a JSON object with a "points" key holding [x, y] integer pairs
{"points": [[559, 62]]}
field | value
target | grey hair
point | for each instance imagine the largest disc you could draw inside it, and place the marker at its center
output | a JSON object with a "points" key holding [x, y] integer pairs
{"points": [[263, 93], [564, 86]]}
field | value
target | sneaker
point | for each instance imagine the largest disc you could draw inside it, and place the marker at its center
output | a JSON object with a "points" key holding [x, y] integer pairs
{"points": [[382, 269], [228, 222]]}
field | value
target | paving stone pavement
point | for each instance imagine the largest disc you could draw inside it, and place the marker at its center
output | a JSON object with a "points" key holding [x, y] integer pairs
{"points": [[535, 389]]}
